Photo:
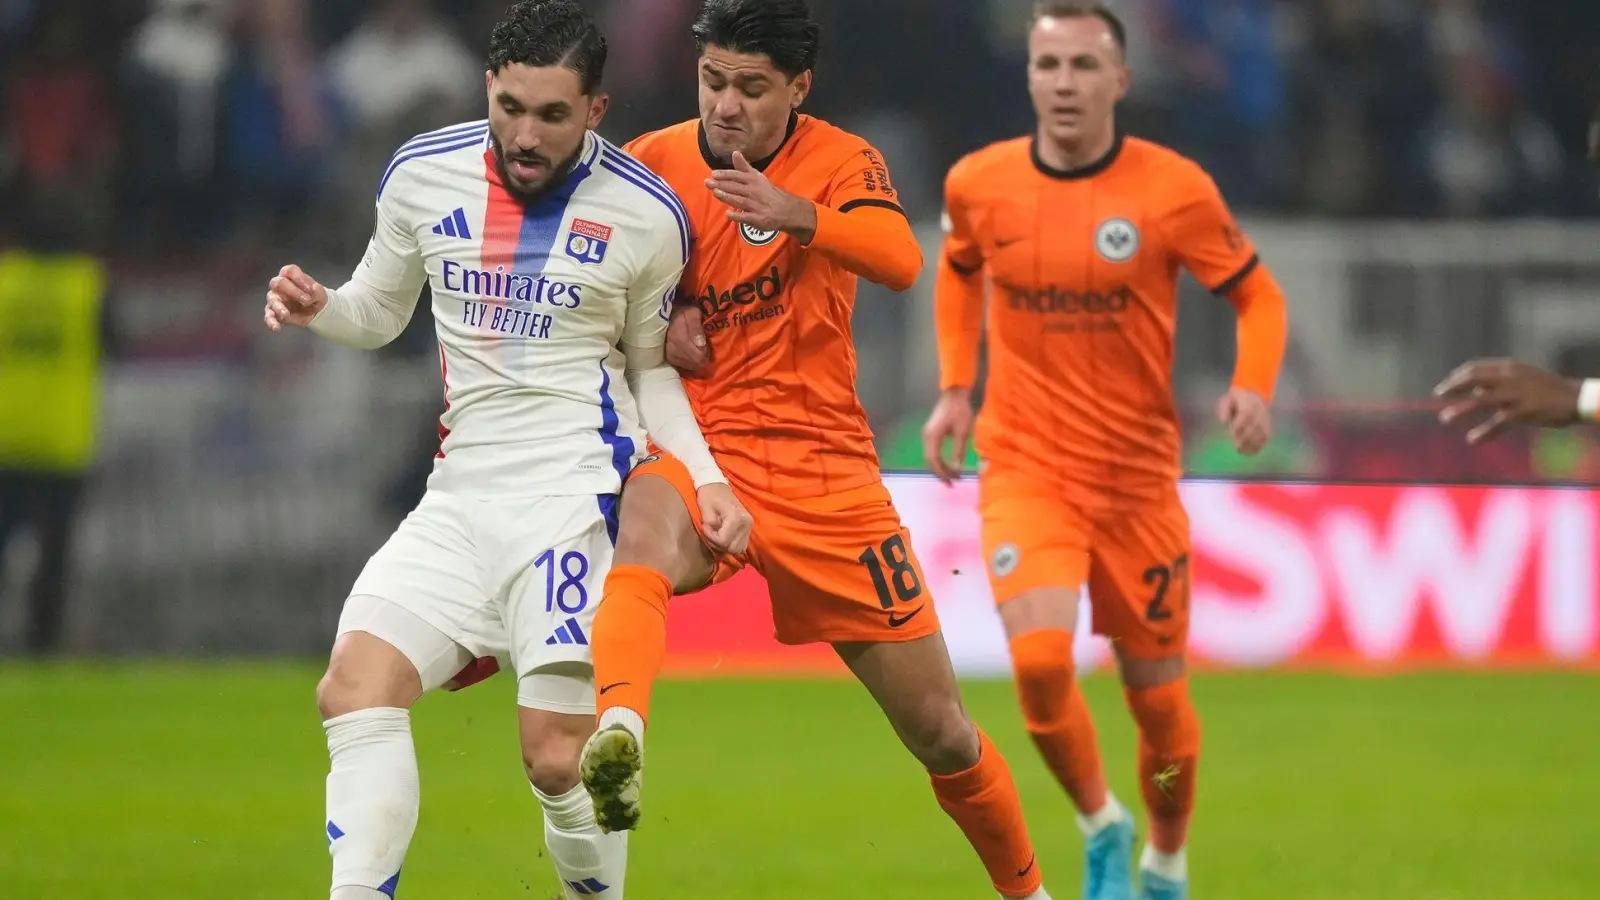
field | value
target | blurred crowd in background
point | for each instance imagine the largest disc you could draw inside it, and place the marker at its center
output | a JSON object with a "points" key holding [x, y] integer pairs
{"points": [[191, 147], [171, 126]]}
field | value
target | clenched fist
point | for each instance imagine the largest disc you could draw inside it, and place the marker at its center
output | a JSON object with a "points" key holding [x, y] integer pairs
{"points": [[293, 298]]}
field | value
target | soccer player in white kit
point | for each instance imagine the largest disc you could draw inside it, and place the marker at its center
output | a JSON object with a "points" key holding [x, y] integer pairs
{"points": [[553, 258]]}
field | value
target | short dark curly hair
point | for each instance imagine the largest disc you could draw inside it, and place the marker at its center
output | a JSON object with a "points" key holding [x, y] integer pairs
{"points": [[544, 33], [783, 30]]}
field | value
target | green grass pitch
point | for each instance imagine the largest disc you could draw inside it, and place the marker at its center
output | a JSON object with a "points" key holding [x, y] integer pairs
{"points": [[205, 781]]}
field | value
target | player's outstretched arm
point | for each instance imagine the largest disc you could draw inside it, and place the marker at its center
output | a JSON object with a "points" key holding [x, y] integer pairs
{"points": [[1512, 392], [1515, 393], [355, 315], [373, 307]]}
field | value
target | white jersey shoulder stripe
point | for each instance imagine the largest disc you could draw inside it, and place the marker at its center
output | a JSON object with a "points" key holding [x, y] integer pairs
{"points": [[594, 144], [651, 179], [446, 140], [618, 163], [440, 134]]}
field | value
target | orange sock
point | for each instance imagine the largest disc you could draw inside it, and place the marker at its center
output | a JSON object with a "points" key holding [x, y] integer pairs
{"points": [[983, 801], [629, 638], [1057, 716], [1169, 752]]}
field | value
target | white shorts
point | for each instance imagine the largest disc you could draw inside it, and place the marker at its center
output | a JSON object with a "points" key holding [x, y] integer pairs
{"points": [[517, 580]]}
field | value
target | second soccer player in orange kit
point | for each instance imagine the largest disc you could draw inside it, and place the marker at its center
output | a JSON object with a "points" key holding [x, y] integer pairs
{"points": [[1075, 236], [787, 212]]}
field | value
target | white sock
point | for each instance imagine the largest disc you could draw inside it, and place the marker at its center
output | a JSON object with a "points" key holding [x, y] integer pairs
{"points": [[1036, 895], [1171, 866], [627, 718], [373, 797], [1110, 814], [589, 862]]}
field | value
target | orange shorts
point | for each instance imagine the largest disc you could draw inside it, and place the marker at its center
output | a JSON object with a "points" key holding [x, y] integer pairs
{"points": [[1134, 559], [839, 568]]}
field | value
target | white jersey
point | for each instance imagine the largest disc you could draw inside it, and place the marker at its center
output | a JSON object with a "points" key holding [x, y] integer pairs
{"points": [[532, 304]]}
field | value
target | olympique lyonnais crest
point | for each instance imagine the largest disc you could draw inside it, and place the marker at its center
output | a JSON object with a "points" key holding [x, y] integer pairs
{"points": [[587, 241]]}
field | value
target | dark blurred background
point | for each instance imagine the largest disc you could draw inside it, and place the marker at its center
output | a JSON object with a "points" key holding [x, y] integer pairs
{"points": [[1411, 170]]}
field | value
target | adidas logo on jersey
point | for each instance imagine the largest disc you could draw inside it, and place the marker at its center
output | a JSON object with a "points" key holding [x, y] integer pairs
{"points": [[568, 633], [454, 225]]}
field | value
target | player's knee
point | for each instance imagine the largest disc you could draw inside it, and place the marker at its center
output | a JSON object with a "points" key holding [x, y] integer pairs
{"points": [[1045, 674], [365, 672], [945, 741], [1040, 609], [551, 745], [1166, 717], [552, 773], [1141, 673], [342, 691]]}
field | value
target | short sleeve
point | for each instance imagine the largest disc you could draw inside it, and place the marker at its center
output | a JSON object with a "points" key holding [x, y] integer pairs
{"points": [[1204, 235], [654, 287], [863, 180], [961, 249]]}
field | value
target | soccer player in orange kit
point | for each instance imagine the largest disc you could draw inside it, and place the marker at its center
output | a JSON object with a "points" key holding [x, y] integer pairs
{"points": [[1078, 234], [787, 212]]}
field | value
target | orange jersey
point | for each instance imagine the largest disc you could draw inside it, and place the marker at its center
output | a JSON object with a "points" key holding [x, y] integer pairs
{"points": [[779, 408], [1082, 271]]}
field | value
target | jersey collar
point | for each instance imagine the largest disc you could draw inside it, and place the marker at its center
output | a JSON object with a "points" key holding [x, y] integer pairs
{"points": [[759, 165], [1088, 171]]}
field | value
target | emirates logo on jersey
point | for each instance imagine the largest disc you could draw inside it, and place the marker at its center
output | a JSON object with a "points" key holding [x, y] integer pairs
{"points": [[756, 237]]}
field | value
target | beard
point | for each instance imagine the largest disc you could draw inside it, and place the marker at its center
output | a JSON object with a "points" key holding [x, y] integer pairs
{"points": [[521, 190]]}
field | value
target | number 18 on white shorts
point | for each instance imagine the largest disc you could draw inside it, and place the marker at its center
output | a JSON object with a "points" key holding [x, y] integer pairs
{"points": [[518, 580]]}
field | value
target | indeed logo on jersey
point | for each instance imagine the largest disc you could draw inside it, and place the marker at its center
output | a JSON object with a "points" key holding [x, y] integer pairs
{"points": [[1055, 300], [746, 302], [503, 285]]}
